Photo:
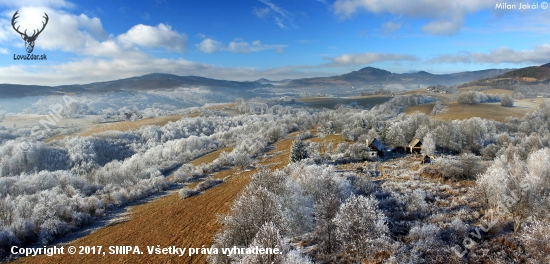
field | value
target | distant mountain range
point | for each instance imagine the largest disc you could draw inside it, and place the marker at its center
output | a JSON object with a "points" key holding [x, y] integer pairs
{"points": [[140, 83], [373, 76], [363, 77], [525, 76]]}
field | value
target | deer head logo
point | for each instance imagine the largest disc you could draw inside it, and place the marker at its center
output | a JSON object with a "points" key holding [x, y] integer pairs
{"points": [[29, 40]]}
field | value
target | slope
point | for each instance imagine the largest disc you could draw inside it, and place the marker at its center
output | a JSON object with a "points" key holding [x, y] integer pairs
{"points": [[170, 221]]}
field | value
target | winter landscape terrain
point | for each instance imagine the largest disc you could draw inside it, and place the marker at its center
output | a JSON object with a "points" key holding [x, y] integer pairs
{"points": [[300, 172], [274, 131]]}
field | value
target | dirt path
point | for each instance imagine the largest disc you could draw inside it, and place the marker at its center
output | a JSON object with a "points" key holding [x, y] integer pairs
{"points": [[169, 221]]}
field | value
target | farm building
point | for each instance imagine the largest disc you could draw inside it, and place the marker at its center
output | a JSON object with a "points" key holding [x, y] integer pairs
{"points": [[376, 147], [415, 145]]}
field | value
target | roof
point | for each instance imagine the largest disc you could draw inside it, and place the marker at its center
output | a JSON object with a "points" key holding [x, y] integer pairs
{"points": [[415, 142], [377, 144]]}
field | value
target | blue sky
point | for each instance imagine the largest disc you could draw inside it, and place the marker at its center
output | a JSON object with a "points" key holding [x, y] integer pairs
{"points": [[89, 41]]}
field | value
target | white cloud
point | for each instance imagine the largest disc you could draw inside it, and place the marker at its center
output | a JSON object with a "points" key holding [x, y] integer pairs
{"points": [[239, 46], [159, 36], [370, 57], [261, 12], [89, 70], [245, 47], [209, 45], [443, 27], [66, 32], [446, 17], [538, 55], [281, 16], [85, 35], [4, 51], [391, 27]]}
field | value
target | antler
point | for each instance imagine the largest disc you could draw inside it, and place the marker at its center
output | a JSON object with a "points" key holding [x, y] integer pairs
{"points": [[35, 34], [43, 25], [13, 23]]}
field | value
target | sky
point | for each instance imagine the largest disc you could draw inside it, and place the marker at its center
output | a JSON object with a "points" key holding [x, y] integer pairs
{"points": [[92, 41]]}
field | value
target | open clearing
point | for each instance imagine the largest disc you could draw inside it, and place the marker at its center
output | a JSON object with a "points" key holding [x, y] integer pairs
{"points": [[121, 126], [171, 221], [331, 102], [498, 91], [492, 111]]}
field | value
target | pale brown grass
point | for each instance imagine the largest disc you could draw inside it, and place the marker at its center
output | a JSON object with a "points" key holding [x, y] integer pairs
{"points": [[487, 111], [457, 111], [170, 221], [475, 88], [207, 158], [423, 108], [121, 126], [498, 91]]}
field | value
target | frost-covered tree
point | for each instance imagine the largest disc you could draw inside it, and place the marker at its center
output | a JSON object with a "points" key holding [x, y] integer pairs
{"points": [[267, 237], [295, 257], [507, 100], [516, 188], [395, 136], [242, 159], [361, 228], [471, 165], [249, 213], [428, 145]]}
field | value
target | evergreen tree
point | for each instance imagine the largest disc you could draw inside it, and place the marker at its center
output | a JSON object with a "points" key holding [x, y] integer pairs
{"points": [[298, 151]]}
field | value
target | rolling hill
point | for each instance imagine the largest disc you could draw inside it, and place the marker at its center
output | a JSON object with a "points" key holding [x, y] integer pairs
{"points": [[139, 83], [363, 77], [374, 76], [533, 76]]}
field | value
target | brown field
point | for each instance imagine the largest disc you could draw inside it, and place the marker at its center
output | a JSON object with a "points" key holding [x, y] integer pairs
{"points": [[122, 126], [331, 102], [492, 111], [498, 91], [423, 108], [529, 79], [471, 88], [487, 111], [210, 156], [170, 221], [417, 91]]}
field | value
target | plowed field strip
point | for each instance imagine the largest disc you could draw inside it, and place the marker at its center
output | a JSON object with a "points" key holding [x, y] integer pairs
{"points": [[168, 221]]}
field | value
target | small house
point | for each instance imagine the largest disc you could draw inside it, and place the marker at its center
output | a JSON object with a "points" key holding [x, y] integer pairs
{"points": [[415, 145], [376, 147]]}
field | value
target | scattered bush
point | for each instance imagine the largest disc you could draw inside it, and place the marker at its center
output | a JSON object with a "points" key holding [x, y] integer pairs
{"points": [[186, 192], [207, 184], [475, 97], [507, 100], [361, 228], [536, 241]]}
